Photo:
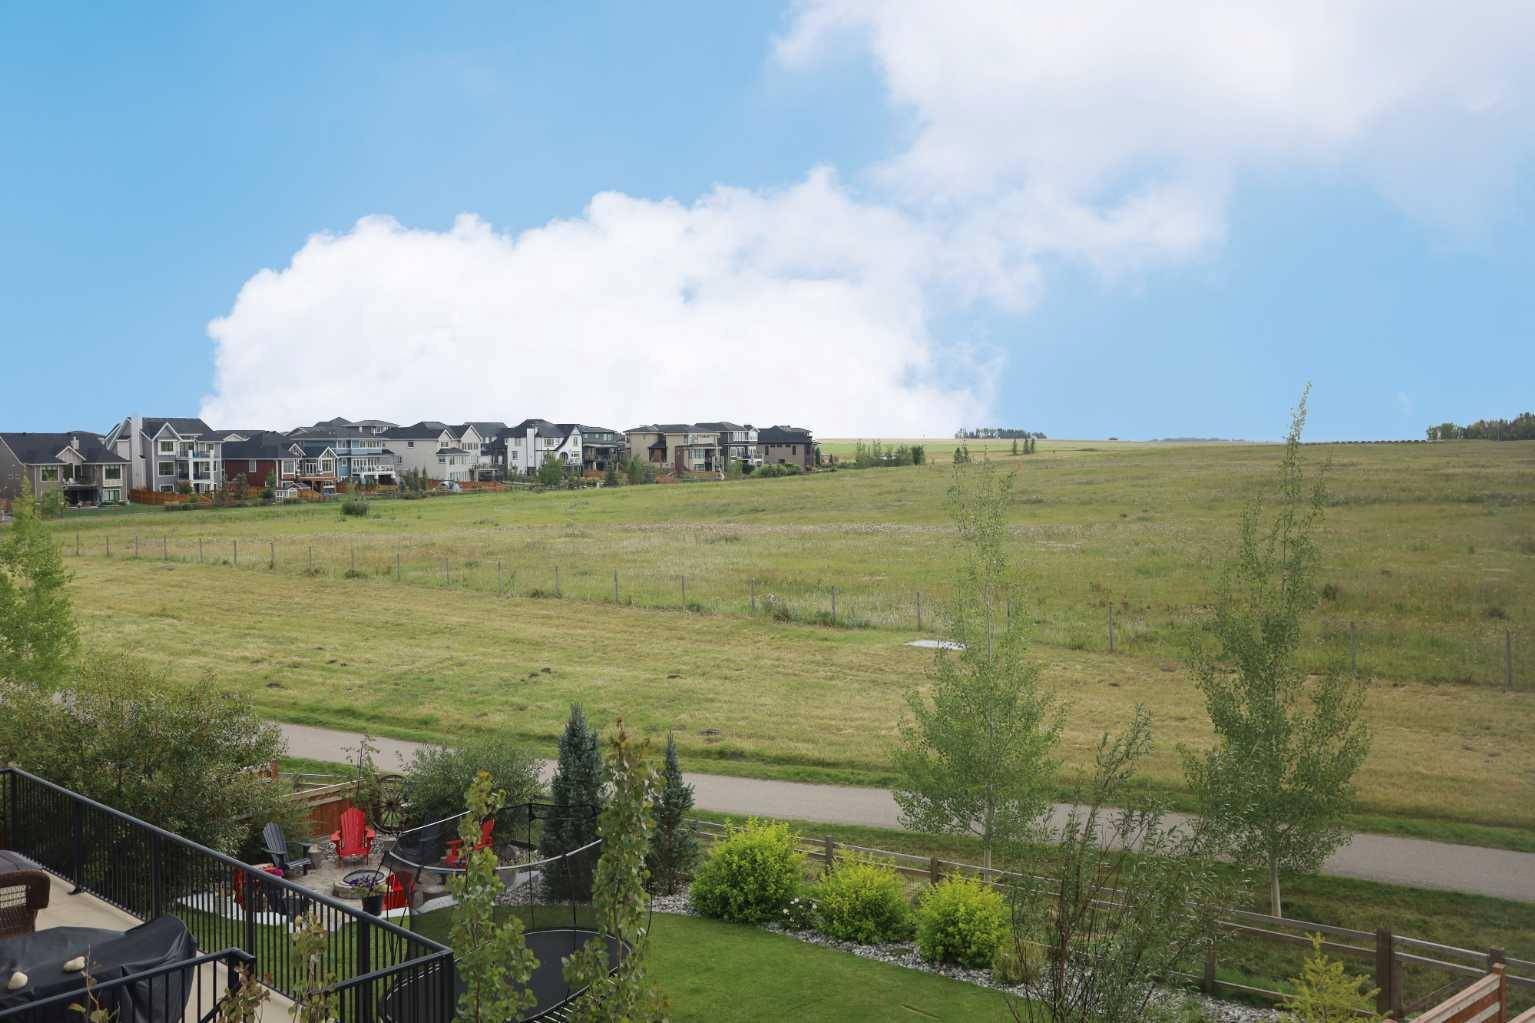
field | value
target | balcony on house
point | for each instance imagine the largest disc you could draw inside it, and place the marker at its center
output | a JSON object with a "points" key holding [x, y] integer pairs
{"points": [[81, 864]]}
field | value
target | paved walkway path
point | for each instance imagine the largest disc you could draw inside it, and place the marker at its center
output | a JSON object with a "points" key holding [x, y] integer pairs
{"points": [[1407, 861]]}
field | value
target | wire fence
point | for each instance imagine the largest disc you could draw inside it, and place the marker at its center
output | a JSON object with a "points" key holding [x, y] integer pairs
{"points": [[1491, 654]]}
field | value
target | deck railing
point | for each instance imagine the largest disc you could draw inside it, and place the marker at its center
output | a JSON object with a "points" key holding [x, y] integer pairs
{"points": [[226, 904]]}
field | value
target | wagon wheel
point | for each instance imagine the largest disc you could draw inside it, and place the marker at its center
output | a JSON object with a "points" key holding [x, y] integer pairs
{"points": [[388, 809]]}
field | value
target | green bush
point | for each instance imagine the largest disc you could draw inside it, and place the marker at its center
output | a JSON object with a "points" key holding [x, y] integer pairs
{"points": [[437, 777], [354, 506], [960, 920], [751, 875], [863, 902]]}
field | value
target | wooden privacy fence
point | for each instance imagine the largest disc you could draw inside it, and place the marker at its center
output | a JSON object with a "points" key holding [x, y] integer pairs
{"points": [[1408, 972], [325, 804]]}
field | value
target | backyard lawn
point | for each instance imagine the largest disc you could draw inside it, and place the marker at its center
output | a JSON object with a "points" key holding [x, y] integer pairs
{"points": [[716, 972]]}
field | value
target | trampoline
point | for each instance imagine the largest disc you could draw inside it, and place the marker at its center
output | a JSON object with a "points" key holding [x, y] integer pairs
{"points": [[550, 893]]}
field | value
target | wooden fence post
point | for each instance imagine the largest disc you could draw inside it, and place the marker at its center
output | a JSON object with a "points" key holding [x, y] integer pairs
{"points": [[934, 874], [1207, 982], [271, 554], [109, 546], [684, 580], [165, 548], [236, 547], [397, 576], [1508, 658], [831, 853], [1385, 972], [751, 585], [557, 580], [1111, 628], [833, 603], [919, 610], [77, 543], [199, 550], [615, 585], [1353, 649]]}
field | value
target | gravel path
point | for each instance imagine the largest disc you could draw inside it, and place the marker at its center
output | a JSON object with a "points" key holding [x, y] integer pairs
{"points": [[1415, 862]]}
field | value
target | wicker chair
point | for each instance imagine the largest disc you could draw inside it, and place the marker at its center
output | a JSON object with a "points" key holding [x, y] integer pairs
{"points": [[22, 894]]}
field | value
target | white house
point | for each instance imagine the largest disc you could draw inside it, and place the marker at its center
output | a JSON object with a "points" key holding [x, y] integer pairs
{"points": [[532, 440]]}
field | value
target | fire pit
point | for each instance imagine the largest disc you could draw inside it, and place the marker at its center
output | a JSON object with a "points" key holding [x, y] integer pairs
{"points": [[359, 884]]}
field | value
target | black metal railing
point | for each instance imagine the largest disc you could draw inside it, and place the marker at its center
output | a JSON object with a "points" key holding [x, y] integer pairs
{"points": [[191, 990], [225, 904]]}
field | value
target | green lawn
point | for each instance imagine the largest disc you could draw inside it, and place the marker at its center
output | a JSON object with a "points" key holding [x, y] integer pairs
{"points": [[715, 972]]}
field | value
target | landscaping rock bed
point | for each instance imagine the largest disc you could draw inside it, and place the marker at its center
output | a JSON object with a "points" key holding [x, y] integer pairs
{"points": [[904, 954]]}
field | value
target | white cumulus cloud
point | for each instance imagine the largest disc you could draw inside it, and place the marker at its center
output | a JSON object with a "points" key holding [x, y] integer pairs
{"points": [[800, 306]]}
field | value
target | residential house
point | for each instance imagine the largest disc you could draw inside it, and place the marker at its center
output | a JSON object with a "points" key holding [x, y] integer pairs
{"points": [[680, 447], [532, 440], [435, 449], [265, 456], [601, 446], [88, 472], [478, 437], [737, 443], [786, 445], [360, 453], [317, 466], [169, 454]]}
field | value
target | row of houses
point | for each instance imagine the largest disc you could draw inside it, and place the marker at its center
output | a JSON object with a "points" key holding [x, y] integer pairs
{"points": [[186, 454]]}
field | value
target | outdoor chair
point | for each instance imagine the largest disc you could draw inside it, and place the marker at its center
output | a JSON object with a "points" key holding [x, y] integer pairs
{"points": [[354, 840], [287, 856], [22, 894], [456, 854]]}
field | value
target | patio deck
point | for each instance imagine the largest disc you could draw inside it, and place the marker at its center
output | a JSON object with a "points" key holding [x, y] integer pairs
{"points": [[85, 910]]}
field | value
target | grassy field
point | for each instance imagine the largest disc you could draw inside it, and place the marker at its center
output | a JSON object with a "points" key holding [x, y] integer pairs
{"points": [[742, 694], [1430, 549]]}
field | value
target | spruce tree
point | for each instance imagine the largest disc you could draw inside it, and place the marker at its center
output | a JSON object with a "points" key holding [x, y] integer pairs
{"points": [[576, 792], [673, 846]]}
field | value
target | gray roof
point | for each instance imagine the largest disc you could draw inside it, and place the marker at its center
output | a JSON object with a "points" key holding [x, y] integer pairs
{"points": [[783, 435], [451, 451], [416, 431], [324, 430], [720, 426], [44, 448], [265, 444], [484, 427], [181, 425], [543, 427]]}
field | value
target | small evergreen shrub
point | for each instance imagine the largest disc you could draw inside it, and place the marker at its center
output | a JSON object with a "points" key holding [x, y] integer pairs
{"points": [[1325, 992], [863, 902], [751, 875], [960, 920], [354, 506]]}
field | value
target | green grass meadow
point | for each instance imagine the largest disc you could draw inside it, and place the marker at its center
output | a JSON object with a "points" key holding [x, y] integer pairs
{"points": [[1430, 550]]}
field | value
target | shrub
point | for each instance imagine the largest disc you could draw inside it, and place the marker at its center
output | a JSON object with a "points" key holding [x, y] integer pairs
{"points": [[960, 920], [863, 902], [1325, 993], [751, 875], [354, 506], [1010, 966], [437, 777]]}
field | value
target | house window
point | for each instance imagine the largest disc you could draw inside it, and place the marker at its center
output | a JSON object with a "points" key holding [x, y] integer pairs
{"points": [[50, 474], [166, 488], [167, 468], [410, 443], [252, 467], [111, 496], [167, 447], [113, 472]]}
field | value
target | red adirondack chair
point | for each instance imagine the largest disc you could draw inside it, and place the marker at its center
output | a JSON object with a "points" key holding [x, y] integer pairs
{"points": [[355, 839], [456, 845], [402, 889]]}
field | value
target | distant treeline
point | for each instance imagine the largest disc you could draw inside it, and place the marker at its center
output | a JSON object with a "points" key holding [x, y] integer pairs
{"points": [[997, 433], [875, 455], [1521, 427]]}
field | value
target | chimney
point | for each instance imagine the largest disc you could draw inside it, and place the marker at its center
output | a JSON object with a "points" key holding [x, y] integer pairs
{"points": [[74, 442]]}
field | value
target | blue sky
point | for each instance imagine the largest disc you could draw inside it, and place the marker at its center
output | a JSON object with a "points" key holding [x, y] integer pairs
{"points": [[856, 241]]}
